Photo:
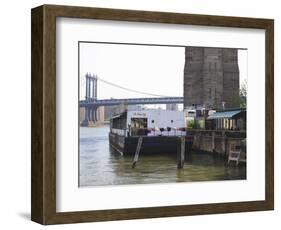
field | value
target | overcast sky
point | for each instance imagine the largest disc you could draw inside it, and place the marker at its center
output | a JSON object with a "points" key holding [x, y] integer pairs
{"points": [[151, 69]]}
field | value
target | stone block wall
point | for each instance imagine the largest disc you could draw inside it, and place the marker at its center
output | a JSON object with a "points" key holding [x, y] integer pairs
{"points": [[211, 76]]}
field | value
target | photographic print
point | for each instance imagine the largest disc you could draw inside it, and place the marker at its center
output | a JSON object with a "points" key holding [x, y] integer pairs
{"points": [[161, 113], [165, 106]]}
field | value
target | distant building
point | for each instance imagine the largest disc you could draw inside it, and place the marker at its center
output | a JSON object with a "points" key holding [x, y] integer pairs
{"points": [[172, 107], [100, 114], [134, 107], [211, 77], [110, 111], [81, 114]]}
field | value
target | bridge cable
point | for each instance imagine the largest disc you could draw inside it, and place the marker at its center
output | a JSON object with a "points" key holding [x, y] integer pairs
{"points": [[128, 89]]}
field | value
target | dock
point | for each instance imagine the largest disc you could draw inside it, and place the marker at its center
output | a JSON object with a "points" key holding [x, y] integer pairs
{"points": [[225, 143]]}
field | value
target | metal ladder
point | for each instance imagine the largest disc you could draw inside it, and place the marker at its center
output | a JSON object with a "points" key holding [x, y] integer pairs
{"points": [[234, 155]]}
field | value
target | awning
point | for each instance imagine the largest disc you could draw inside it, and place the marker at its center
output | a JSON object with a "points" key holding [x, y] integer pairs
{"points": [[224, 114]]}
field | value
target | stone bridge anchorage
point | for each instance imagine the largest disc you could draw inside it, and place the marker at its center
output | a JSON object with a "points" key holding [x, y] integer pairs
{"points": [[91, 103]]}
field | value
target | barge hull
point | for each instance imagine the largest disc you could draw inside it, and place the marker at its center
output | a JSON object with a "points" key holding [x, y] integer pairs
{"points": [[150, 145]]}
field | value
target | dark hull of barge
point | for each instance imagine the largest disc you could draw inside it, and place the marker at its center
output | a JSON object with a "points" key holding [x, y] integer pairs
{"points": [[150, 144]]}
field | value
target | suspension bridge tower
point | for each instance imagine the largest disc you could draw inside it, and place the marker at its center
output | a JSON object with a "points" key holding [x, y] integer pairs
{"points": [[90, 117]]}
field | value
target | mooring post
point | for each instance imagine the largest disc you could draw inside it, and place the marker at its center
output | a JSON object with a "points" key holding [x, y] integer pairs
{"points": [[223, 143], [180, 151], [213, 141], [137, 152]]}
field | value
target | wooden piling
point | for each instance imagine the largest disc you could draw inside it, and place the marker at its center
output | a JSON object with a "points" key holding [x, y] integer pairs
{"points": [[137, 152], [180, 151], [223, 143]]}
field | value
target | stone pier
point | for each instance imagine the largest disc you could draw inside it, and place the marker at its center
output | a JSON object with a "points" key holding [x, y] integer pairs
{"points": [[90, 117]]}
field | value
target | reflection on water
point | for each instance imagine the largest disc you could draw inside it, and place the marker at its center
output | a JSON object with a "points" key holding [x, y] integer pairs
{"points": [[102, 165]]}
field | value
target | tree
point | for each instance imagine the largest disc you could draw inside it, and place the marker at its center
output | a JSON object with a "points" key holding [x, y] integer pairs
{"points": [[243, 93], [240, 99]]}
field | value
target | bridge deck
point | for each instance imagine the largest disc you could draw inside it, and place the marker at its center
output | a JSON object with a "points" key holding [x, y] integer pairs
{"points": [[131, 101]]}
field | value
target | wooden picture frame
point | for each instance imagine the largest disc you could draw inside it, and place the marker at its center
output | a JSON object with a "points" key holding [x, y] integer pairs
{"points": [[43, 202]]}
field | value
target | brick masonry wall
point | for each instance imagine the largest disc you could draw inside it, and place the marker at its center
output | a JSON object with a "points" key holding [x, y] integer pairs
{"points": [[211, 75]]}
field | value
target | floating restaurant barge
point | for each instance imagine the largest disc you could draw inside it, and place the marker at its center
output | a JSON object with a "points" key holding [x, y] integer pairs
{"points": [[159, 129], [166, 131]]}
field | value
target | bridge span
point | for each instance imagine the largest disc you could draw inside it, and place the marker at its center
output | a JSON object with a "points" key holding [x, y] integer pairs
{"points": [[91, 102], [131, 101]]}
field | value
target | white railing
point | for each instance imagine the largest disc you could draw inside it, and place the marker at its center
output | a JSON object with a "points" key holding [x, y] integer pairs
{"points": [[121, 132], [167, 133]]}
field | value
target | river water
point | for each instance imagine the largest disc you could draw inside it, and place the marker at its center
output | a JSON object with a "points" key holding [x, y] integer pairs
{"points": [[99, 164]]}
